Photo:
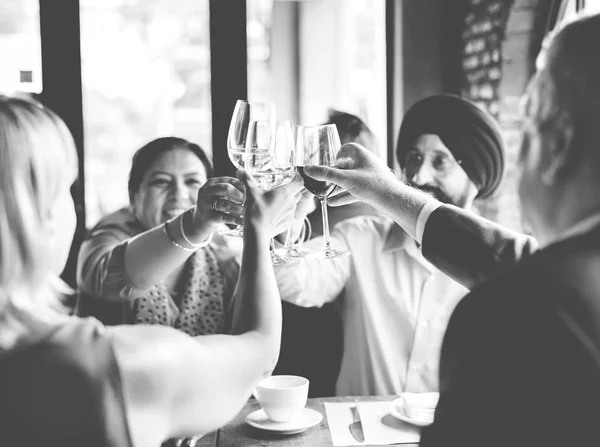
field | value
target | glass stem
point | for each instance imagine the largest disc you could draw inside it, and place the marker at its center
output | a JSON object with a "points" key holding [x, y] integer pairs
{"points": [[288, 235], [327, 241], [272, 245]]}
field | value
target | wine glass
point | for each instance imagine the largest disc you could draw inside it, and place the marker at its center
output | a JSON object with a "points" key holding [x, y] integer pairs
{"points": [[292, 247], [244, 113], [319, 145], [269, 159]]}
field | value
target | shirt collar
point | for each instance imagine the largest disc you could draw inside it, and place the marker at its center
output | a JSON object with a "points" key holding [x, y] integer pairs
{"points": [[398, 239]]}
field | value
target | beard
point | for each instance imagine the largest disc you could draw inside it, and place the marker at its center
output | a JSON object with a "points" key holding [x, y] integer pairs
{"points": [[435, 192]]}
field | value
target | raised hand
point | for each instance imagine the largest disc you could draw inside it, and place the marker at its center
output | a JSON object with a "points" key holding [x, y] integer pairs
{"points": [[220, 200], [361, 174], [269, 211]]}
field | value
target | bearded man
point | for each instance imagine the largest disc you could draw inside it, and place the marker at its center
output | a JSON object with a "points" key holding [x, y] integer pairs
{"points": [[520, 362], [395, 305]]}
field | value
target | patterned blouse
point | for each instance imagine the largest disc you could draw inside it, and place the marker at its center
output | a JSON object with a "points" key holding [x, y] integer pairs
{"points": [[200, 306]]}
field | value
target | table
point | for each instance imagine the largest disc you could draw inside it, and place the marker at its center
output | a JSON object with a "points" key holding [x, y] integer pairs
{"points": [[239, 434]]}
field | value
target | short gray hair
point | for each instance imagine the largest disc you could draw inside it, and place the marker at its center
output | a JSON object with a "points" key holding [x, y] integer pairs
{"points": [[569, 81]]}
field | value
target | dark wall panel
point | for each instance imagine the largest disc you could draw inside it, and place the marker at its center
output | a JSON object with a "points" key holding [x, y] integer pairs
{"points": [[61, 77], [229, 77]]}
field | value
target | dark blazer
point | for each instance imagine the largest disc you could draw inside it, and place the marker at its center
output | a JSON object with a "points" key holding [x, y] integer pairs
{"points": [[520, 363]]}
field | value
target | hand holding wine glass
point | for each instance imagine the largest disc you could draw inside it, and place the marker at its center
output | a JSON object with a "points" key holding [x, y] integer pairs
{"points": [[360, 175], [269, 211], [269, 159], [319, 145], [244, 113]]}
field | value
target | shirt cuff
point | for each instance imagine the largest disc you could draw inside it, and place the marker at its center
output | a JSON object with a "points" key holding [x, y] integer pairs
{"points": [[424, 214]]}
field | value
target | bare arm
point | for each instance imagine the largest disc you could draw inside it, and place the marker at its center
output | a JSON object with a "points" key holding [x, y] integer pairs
{"points": [[175, 385], [151, 256]]}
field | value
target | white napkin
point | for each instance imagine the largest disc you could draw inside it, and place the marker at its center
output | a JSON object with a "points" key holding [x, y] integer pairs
{"points": [[379, 426]]}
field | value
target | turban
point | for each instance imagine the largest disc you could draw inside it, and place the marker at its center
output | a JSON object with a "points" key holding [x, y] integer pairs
{"points": [[471, 135]]}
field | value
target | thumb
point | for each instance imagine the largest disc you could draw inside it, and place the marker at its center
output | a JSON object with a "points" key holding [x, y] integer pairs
{"points": [[325, 173], [245, 178]]}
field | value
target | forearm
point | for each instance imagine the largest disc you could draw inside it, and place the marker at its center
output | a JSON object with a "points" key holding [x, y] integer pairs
{"points": [[401, 203], [257, 304], [153, 255]]}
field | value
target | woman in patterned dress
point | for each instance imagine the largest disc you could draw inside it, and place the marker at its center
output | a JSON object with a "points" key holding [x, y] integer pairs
{"points": [[161, 259]]}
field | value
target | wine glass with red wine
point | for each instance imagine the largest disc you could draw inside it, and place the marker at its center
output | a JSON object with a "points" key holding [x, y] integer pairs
{"points": [[319, 145]]}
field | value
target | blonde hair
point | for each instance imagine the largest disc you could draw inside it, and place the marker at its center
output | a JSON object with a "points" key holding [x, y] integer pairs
{"points": [[37, 157]]}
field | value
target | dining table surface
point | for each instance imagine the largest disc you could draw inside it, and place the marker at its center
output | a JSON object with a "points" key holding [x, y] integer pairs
{"points": [[237, 433]]}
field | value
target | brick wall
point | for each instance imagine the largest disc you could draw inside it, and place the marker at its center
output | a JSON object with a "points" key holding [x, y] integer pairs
{"points": [[501, 39]]}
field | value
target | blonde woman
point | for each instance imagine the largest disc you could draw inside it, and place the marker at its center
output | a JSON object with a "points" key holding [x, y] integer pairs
{"points": [[71, 382]]}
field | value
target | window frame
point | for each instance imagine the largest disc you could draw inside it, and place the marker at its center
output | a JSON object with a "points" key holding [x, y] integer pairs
{"points": [[60, 35], [62, 90]]}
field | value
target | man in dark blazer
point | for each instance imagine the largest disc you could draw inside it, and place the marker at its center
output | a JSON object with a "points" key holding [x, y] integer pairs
{"points": [[520, 363]]}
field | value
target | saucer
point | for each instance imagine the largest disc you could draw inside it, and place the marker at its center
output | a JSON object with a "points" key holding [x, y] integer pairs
{"points": [[397, 410], [307, 418]]}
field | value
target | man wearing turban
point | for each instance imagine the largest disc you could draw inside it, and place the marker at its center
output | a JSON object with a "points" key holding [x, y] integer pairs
{"points": [[394, 304], [443, 131]]}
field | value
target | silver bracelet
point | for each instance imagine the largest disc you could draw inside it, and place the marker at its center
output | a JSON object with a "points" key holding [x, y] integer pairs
{"points": [[207, 241], [173, 241]]}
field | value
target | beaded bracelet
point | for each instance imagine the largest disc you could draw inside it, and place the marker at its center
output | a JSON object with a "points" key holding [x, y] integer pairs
{"points": [[207, 241]]}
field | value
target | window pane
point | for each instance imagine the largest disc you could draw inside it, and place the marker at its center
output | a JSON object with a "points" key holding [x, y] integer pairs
{"points": [[20, 46], [259, 15], [343, 61], [309, 57], [568, 10], [592, 6], [146, 74]]}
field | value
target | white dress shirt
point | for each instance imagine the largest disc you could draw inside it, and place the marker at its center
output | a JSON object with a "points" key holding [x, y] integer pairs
{"points": [[395, 306]]}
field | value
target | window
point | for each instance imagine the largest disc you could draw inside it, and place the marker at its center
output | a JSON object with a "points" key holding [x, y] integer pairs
{"points": [[310, 56], [569, 9], [20, 46], [592, 6], [259, 15], [145, 74]]}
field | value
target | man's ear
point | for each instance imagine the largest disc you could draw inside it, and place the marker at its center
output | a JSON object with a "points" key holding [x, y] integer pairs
{"points": [[561, 151]]}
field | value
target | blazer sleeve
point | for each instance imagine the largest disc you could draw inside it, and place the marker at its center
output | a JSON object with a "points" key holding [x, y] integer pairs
{"points": [[471, 249]]}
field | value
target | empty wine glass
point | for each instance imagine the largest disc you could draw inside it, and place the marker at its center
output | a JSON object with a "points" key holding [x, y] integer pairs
{"points": [[319, 145], [243, 114], [269, 159], [292, 247]]}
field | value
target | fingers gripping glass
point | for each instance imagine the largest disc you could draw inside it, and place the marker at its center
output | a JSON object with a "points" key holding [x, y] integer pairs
{"points": [[269, 159], [319, 145], [243, 113]]}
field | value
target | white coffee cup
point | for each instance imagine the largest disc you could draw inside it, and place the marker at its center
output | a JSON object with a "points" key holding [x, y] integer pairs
{"points": [[282, 397]]}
